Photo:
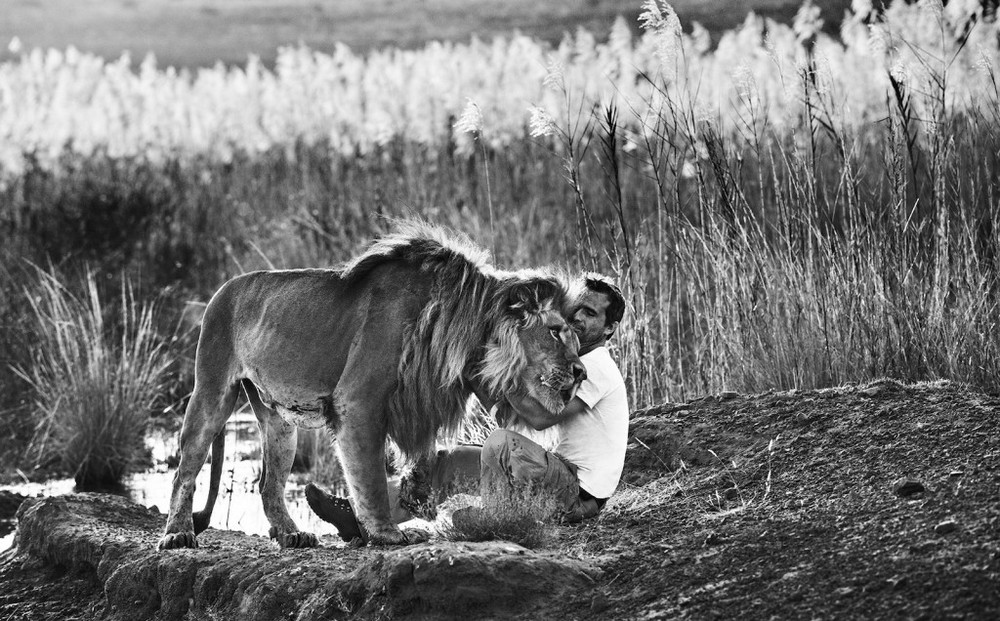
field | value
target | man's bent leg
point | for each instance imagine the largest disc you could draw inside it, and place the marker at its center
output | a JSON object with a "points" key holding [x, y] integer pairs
{"points": [[510, 458], [414, 495], [338, 511], [434, 479], [457, 470], [335, 510]]}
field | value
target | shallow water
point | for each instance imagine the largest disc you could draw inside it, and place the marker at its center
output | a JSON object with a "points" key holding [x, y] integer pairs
{"points": [[238, 506]]}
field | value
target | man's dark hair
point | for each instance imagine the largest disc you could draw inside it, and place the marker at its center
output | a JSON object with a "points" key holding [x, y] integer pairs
{"points": [[616, 301]]}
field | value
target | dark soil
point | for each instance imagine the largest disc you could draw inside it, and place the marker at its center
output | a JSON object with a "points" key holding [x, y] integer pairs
{"points": [[783, 505], [36, 591]]}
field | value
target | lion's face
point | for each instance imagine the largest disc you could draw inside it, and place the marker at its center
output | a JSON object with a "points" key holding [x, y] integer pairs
{"points": [[553, 371]]}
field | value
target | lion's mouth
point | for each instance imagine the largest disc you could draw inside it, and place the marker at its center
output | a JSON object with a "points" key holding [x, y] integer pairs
{"points": [[562, 384]]}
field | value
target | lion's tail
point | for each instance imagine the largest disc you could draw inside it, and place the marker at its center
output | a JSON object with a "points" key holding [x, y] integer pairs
{"points": [[203, 517]]}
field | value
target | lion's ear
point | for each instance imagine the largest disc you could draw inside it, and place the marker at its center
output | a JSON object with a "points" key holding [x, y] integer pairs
{"points": [[522, 300], [531, 294]]}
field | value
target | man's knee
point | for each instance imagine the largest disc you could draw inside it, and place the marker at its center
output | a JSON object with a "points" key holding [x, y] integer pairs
{"points": [[502, 450], [498, 440], [521, 460], [496, 448]]}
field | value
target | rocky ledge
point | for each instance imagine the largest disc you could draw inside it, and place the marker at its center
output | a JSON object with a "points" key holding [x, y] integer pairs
{"points": [[234, 576]]}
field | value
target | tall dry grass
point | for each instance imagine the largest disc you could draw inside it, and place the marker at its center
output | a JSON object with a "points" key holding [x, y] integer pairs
{"points": [[782, 210], [820, 251], [94, 384], [57, 106]]}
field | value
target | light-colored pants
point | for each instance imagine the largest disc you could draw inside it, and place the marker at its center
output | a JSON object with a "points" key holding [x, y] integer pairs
{"points": [[507, 458], [513, 459]]}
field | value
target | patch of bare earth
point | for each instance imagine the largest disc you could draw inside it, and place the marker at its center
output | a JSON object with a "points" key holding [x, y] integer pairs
{"points": [[874, 501], [792, 505], [34, 590]]}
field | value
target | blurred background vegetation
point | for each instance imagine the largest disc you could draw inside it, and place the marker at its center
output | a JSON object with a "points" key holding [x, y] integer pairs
{"points": [[201, 33], [786, 204]]}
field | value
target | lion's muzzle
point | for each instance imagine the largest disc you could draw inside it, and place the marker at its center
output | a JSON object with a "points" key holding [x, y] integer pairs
{"points": [[579, 373], [565, 382]]}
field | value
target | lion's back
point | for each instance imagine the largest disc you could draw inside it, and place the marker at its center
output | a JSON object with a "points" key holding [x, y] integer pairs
{"points": [[304, 322], [274, 297]]}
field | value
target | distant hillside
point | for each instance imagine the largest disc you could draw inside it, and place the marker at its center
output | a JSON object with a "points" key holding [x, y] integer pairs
{"points": [[194, 33]]}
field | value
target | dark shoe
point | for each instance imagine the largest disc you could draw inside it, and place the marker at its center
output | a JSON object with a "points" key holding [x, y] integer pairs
{"points": [[335, 510]]}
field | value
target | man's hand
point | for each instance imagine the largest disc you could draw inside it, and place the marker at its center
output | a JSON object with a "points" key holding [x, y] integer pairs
{"points": [[532, 412]]}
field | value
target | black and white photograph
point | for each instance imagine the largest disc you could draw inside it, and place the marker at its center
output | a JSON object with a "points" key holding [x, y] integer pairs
{"points": [[512, 309]]}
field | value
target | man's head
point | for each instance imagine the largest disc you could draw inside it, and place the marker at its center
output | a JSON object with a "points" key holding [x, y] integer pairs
{"points": [[598, 309]]}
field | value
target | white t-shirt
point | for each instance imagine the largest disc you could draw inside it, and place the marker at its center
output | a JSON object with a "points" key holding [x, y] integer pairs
{"points": [[595, 440]]}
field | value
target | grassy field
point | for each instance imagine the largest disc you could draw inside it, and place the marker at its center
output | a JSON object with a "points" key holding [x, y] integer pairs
{"points": [[199, 33], [783, 209]]}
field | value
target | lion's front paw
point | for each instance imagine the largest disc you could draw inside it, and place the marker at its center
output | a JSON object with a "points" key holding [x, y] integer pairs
{"points": [[298, 540], [295, 539], [172, 541], [388, 536]]}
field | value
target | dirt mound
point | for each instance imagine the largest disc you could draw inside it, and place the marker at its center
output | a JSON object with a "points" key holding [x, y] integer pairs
{"points": [[796, 505], [874, 501]]}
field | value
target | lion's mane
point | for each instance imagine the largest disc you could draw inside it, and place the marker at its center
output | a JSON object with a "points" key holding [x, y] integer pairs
{"points": [[468, 328]]}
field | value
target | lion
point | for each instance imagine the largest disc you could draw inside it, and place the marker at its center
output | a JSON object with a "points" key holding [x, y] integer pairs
{"points": [[392, 345]]}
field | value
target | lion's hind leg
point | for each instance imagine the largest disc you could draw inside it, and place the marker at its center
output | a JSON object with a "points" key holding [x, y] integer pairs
{"points": [[204, 419], [278, 448]]}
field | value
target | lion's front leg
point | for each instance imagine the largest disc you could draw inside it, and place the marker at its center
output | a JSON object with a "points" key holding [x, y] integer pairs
{"points": [[278, 442], [361, 443]]}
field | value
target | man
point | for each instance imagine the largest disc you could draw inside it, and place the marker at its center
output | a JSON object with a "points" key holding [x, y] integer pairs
{"points": [[582, 471]]}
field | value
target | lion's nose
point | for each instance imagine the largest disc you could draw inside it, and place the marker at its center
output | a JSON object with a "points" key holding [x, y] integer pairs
{"points": [[579, 372]]}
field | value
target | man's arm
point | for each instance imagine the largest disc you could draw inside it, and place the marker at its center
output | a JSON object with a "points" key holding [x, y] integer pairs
{"points": [[537, 417]]}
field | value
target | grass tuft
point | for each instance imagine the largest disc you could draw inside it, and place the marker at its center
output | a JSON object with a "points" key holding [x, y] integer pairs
{"points": [[94, 386], [521, 514]]}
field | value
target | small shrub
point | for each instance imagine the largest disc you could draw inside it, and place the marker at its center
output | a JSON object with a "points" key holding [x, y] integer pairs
{"points": [[94, 386], [521, 514]]}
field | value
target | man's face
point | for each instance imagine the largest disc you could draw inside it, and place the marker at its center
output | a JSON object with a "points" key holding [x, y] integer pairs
{"points": [[588, 319]]}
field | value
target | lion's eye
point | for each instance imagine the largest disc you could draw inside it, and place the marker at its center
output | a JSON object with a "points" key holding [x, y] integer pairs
{"points": [[555, 332]]}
